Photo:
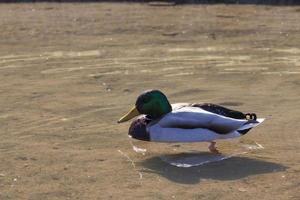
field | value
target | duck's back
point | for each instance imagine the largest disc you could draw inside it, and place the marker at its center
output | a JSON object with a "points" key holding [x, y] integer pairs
{"points": [[190, 117], [220, 110]]}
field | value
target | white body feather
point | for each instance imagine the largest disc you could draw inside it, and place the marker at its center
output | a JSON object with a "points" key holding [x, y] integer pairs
{"points": [[198, 126]]}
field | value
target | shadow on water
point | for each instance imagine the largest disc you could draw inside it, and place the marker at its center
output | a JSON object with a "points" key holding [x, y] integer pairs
{"points": [[231, 169], [170, 2]]}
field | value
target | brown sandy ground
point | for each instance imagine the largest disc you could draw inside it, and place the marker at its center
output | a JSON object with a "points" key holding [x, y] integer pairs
{"points": [[69, 71]]}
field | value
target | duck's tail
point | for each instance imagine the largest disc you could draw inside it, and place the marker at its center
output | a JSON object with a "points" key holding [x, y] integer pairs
{"points": [[250, 116], [251, 123]]}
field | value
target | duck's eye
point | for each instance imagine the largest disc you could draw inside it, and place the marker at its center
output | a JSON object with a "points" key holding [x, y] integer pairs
{"points": [[146, 99]]}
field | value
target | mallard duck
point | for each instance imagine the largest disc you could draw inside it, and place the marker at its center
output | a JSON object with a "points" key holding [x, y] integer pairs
{"points": [[159, 121]]}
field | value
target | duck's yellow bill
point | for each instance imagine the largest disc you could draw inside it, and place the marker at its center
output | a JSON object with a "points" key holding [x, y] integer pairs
{"points": [[131, 114]]}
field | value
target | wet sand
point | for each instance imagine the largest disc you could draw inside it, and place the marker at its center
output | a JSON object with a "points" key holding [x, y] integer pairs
{"points": [[69, 71]]}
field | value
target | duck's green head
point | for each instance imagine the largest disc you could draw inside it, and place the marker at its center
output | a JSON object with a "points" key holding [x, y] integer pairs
{"points": [[152, 103]]}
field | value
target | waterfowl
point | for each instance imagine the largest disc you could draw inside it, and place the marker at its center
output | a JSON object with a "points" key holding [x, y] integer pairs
{"points": [[160, 121]]}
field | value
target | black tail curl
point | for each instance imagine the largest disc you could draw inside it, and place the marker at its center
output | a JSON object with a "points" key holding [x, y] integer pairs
{"points": [[251, 116]]}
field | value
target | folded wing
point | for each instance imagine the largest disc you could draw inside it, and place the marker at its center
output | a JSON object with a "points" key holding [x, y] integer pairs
{"points": [[194, 117]]}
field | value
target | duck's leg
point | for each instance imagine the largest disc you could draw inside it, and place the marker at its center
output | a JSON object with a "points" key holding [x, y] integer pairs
{"points": [[212, 147]]}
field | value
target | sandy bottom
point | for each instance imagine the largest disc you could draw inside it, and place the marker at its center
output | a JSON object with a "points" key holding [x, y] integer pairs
{"points": [[69, 71]]}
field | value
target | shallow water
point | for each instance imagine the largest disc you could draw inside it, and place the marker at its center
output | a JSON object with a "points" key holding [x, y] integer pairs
{"points": [[68, 72], [187, 155]]}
